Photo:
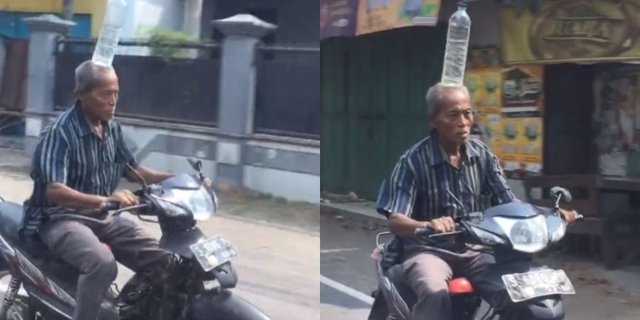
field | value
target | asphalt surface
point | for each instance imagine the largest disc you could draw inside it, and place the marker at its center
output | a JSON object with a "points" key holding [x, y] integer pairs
{"points": [[348, 240], [277, 264]]}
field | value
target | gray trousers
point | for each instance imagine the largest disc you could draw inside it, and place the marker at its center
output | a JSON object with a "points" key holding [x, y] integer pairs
{"points": [[81, 244], [429, 273]]}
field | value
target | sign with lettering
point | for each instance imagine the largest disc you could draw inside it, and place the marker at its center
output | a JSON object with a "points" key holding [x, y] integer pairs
{"points": [[522, 89], [379, 15], [572, 31], [338, 18]]}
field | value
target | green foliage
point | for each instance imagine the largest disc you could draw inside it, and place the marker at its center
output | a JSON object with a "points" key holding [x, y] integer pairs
{"points": [[163, 43]]}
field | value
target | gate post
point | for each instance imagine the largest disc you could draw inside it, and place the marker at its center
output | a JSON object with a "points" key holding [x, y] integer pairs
{"points": [[236, 102], [45, 31]]}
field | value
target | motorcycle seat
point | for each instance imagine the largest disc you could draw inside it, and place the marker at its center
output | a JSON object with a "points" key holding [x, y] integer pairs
{"points": [[12, 215]]}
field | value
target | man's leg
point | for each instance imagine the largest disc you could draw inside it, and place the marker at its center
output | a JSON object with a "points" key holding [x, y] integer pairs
{"points": [[77, 245], [474, 266], [429, 276], [134, 248]]}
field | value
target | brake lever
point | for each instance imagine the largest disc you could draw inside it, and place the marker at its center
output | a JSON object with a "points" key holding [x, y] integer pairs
{"points": [[444, 234], [145, 219]]}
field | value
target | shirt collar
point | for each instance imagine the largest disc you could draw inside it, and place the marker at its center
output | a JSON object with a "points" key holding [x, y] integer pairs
{"points": [[83, 123], [438, 155]]}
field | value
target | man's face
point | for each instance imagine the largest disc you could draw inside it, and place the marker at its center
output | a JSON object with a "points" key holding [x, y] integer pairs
{"points": [[101, 101], [453, 122]]}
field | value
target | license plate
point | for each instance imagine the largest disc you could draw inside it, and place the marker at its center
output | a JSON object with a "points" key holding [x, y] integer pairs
{"points": [[213, 252], [534, 284]]}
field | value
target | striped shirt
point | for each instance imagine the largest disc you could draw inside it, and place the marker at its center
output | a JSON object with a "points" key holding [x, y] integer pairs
{"points": [[424, 185], [70, 153]]}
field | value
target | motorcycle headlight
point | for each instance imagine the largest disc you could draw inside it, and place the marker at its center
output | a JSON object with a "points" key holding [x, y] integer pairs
{"points": [[171, 209], [559, 232], [199, 202], [526, 235]]}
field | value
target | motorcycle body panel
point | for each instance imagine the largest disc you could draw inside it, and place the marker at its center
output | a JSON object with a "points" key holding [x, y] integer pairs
{"points": [[179, 242]]}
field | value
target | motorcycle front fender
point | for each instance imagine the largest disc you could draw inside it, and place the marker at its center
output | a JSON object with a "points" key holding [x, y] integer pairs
{"points": [[224, 306]]}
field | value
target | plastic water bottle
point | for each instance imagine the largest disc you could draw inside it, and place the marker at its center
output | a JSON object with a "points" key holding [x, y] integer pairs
{"points": [[455, 56], [114, 19]]}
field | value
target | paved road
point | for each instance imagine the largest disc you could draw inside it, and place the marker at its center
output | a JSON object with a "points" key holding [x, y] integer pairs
{"points": [[347, 242], [278, 266]]}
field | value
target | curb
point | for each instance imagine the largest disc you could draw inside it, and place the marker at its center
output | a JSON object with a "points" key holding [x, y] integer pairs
{"points": [[341, 209]]}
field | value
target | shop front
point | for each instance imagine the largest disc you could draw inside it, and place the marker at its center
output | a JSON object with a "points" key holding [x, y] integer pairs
{"points": [[566, 111]]}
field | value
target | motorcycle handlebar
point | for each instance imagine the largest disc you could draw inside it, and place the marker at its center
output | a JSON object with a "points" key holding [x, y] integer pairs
{"points": [[430, 233]]}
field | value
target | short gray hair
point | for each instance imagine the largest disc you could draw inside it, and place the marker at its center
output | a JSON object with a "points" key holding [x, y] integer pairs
{"points": [[436, 93], [88, 76]]}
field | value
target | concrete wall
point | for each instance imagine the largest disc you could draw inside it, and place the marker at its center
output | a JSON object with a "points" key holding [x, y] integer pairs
{"points": [[277, 168]]}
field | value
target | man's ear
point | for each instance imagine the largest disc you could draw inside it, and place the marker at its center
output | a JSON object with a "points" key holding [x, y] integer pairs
{"points": [[432, 121]]}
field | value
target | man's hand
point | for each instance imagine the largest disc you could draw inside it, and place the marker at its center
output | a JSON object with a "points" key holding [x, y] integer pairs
{"points": [[125, 198], [442, 225], [208, 183], [568, 216]]}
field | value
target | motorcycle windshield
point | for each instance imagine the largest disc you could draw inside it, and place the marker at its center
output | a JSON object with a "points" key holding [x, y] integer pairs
{"points": [[198, 201], [181, 181]]}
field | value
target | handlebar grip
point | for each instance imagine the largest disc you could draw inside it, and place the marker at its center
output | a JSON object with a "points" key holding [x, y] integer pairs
{"points": [[424, 232], [111, 205]]}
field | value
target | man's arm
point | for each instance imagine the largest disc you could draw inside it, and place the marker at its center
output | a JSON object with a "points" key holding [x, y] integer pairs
{"points": [[397, 197], [50, 162], [497, 182], [61, 195]]}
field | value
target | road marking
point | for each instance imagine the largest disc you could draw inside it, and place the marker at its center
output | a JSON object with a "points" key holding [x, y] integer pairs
{"points": [[347, 290], [339, 250]]}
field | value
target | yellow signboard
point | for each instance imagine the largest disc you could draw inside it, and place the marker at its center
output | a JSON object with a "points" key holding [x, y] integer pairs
{"points": [[509, 105], [379, 15], [571, 30]]}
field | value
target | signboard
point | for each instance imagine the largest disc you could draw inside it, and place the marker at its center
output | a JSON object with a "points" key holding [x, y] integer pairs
{"points": [[338, 18], [570, 31], [617, 119], [379, 15], [509, 103]]}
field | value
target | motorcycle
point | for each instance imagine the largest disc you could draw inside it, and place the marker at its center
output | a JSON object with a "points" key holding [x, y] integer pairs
{"points": [[205, 269], [521, 289]]}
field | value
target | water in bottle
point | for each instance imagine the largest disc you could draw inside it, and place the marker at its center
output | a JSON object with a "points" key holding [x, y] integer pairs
{"points": [[455, 56], [114, 20]]}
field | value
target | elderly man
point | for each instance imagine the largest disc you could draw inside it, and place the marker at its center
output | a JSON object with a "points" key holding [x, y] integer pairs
{"points": [[77, 165], [427, 188]]}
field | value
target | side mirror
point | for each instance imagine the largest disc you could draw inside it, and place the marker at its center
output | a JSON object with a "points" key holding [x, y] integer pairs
{"points": [[195, 164], [560, 191]]}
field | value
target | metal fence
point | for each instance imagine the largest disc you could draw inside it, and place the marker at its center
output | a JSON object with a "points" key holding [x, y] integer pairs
{"points": [[151, 88], [186, 90], [288, 91]]}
